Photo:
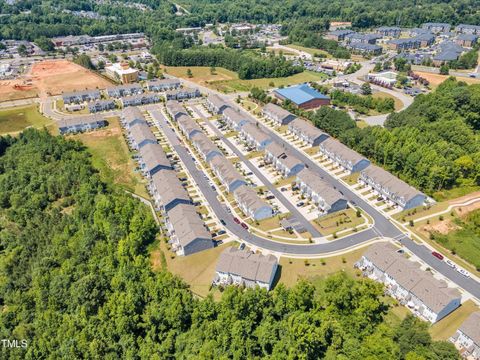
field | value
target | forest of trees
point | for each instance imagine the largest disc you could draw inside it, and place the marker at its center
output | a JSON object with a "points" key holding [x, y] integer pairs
{"points": [[362, 104], [76, 282], [247, 65]]}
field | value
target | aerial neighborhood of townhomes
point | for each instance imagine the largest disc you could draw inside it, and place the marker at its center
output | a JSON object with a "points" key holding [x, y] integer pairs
{"points": [[180, 188]]}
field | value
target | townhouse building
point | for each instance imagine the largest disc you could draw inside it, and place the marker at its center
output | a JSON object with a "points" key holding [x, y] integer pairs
{"points": [[467, 337], [207, 149], [183, 93], [250, 203], [215, 104], [175, 109], [277, 114], [141, 99], [76, 97], [245, 268], [152, 159], [125, 90], [343, 156], [282, 161], [102, 105], [226, 173], [235, 119], [307, 132], [188, 126], [254, 136], [163, 85]]}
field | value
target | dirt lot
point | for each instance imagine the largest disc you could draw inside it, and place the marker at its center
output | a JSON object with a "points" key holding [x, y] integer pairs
{"points": [[51, 77], [437, 79]]}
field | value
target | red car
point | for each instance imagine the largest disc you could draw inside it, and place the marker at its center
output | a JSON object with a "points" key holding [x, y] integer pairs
{"points": [[236, 220], [245, 226], [437, 255]]}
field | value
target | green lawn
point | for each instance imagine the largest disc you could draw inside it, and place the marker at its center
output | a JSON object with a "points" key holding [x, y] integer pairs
{"points": [[455, 192], [18, 118], [228, 86], [110, 155], [447, 327]]}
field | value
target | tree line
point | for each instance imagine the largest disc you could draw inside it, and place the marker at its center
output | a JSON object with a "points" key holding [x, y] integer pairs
{"points": [[76, 282]]}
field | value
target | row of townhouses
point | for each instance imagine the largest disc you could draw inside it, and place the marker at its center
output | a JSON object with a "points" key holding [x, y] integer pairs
{"points": [[77, 124], [427, 297], [245, 268], [467, 337], [185, 228]]}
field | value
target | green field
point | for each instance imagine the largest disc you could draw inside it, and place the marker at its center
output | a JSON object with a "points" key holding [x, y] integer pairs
{"points": [[228, 86], [227, 81], [16, 119], [110, 155], [311, 51]]}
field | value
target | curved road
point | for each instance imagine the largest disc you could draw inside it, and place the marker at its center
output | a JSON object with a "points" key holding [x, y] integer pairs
{"points": [[383, 226]]}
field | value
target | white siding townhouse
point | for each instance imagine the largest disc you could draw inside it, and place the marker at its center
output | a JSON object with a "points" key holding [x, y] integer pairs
{"points": [[242, 267], [215, 104], [188, 126], [226, 173], [101, 105], [287, 164], [152, 159], [167, 191], [125, 90], [254, 136], [187, 231], [427, 297], [175, 109], [251, 204], [321, 193], [163, 84], [131, 116], [277, 114], [140, 135], [235, 119], [391, 188], [184, 93], [77, 97], [141, 99], [467, 337], [207, 149], [342, 155], [77, 124], [307, 132]]}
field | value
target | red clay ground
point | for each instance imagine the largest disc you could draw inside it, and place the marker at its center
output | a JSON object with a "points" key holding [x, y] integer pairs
{"points": [[51, 77]]}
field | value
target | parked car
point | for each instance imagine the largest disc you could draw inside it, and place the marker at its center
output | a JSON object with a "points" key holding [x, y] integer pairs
{"points": [[221, 232], [451, 264], [214, 188], [463, 272], [249, 173], [242, 246], [437, 255], [283, 189], [270, 197], [300, 204], [223, 222], [245, 226], [236, 220]]}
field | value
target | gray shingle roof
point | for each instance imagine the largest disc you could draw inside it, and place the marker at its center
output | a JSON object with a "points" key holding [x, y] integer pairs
{"points": [[341, 150], [246, 195], [153, 156], [80, 120], [319, 186], [471, 327], [307, 128], [276, 111]]}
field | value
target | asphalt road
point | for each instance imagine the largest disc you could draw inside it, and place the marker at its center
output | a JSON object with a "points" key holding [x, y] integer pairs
{"points": [[290, 207], [383, 226]]}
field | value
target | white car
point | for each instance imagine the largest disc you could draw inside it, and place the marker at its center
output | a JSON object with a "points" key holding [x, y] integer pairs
{"points": [[463, 272], [451, 264]]}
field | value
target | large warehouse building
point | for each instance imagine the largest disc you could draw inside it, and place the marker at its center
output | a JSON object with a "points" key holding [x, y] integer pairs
{"points": [[303, 96]]}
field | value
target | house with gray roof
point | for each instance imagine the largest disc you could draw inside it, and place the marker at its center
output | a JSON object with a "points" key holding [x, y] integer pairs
{"points": [[389, 31], [77, 124], [175, 109], [152, 159], [365, 48], [124, 90], [163, 84], [140, 135], [77, 97], [183, 93], [167, 191], [436, 27], [359, 38], [250, 203], [235, 119], [468, 29], [215, 104], [467, 337], [188, 126], [101, 105], [282, 160], [391, 188], [207, 149], [131, 116], [342, 155], [467, 40], [226, 173], [307, 132], [140, 99], [254, 136], [277, 114], [245, 268], [427, 297], [187, 231], [321, 193], [338, 35]]}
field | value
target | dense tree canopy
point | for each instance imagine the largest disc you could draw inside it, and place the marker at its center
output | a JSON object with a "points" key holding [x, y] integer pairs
{"points": [[76, 282]]}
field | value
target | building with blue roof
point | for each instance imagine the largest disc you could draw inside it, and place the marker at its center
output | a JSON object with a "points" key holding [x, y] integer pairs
{"points": [[303, 96]]}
